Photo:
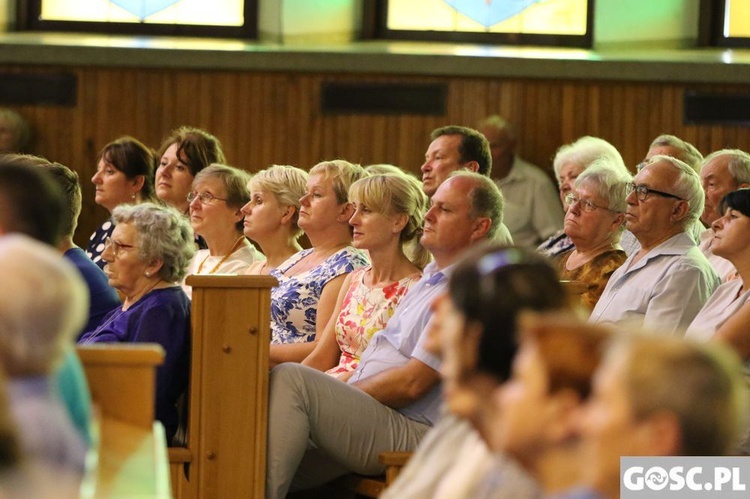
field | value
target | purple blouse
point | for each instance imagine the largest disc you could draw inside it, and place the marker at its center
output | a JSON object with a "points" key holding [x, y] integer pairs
{"points": [[161, 316]]}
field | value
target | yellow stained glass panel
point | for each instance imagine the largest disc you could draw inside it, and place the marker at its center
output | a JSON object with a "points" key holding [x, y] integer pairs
{"points": [[560, 17], [187, 12], [737, 18]]}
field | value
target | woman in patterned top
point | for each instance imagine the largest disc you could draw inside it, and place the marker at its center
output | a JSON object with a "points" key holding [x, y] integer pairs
{"points": [[389, 214], [594, 222], [310, 280], [124, 174]]}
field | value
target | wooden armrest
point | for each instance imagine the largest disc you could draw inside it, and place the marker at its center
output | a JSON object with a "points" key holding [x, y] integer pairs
{"points": [[395, 458], [179, 455], [394, 461]]}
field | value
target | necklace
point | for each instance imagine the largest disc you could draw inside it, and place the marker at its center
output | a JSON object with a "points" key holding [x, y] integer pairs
{"points": [[236, 246]]}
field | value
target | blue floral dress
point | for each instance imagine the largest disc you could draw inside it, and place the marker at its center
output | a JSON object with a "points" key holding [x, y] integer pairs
{"points": [[294, 302]]}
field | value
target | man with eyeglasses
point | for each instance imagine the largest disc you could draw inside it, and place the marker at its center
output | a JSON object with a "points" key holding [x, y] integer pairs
{"points": [[664, 284], [667, 145]]}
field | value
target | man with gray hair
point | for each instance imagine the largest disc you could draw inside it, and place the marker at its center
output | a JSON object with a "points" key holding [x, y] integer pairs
{"points": [[320, 428], [668, 145], [664, 284], [723, 171], [532, 210]]}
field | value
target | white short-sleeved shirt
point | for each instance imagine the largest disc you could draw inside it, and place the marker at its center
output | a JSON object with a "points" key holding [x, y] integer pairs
{"points": [[532, 209], [237, 263], [663, 291]]}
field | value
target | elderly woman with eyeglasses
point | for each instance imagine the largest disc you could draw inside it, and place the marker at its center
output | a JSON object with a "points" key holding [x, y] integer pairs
{"points": [[594, 221], [216, 200], [146, 257], [570, 161]]}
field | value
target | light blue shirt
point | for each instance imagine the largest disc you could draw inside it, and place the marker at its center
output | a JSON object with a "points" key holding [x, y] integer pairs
{"points": [[662, 292], [403, 339]]}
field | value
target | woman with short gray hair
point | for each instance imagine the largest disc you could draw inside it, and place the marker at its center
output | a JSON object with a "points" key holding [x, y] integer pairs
{"points": [[570, 161], [594, 221], [146, 256], [216, 199]]}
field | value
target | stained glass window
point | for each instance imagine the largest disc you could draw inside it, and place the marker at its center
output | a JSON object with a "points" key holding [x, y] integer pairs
{"points": [[555, 22], [737, 18], [229, 17], [725, 23]]}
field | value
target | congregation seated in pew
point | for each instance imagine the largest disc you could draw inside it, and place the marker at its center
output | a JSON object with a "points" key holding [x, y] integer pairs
{"points": [[124, 175], [569, 162], [594, 221], [43, 305], [393, 397], [475, 328], [665, 283], [185, 152], [722, 172]]}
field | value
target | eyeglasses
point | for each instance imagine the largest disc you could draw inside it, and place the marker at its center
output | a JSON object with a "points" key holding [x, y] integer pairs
{"points": [[585, 204], [204, 197], [116, 247], [642, 192]]}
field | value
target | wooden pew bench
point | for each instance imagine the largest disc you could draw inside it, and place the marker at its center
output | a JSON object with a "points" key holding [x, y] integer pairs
{"points": [[225, 450], [129, 458]]}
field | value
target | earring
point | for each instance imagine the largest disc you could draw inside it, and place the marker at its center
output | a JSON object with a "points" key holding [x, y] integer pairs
{"points": [[148, 274], [133, 197]]}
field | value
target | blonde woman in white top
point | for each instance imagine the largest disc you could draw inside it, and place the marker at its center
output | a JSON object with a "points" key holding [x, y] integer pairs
{"points": [[217, 196]]}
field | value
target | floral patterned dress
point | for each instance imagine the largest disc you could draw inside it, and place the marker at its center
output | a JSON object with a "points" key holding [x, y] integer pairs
{"points": [[364, 312], [294, 302], [594, 273]]}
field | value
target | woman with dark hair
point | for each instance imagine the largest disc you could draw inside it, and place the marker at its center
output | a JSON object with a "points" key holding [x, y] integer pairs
{"points": [[726, 315], [124, 174], [475, 323], [184, 153]]}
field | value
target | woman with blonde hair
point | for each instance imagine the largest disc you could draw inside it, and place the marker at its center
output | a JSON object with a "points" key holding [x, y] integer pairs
{"points": [[389, 213], [310, 280], [272, 213]]}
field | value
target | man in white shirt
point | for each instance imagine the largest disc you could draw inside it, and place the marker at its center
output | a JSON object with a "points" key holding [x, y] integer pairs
{"points": [[664, 284], [723, 171], [532, 207], [667, 145]]}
